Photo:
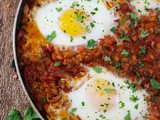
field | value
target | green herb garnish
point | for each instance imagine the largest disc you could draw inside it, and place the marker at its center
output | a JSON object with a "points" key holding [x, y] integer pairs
{"points": [[84, 37], [83, 103], [80, 18], [74, 4], [144, 33], [52, 36], [108, 90], [155, 84], [133, 87], [71, 40], [134, 17], [121, 104], [113, 29], [87, 29], [91, 43], [97, 69], [29, 114], [56, 64], [107, 59], [142, 50], [59, 9], [92, 25], [126, 38], [136, 106], [125, 53], [13, 115], [73, 111], [128, 116], [158, 17], [134, 98], [45, 100], [117, 64]]}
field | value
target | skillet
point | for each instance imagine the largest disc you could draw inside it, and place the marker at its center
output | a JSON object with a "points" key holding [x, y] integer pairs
{"points": [[17, 24]]}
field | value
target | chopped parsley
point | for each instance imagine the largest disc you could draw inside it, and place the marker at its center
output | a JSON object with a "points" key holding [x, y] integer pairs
{"points": [[107, 59], [80, 18], [122, 34], [139, 11], [156, 8], [83, 103], [93, 13], [87, 29], [97, 69], [45, 100], [96, 9], [133, 87], [134, 17], [108, 90], [102, 116], [121, 104], [84, 37], [74, 4], [71, 40], [126, 38], [144, 33], [141, 65], [40, 56], [113, 29], [52, 36], [73, 111], [158, 17], [91, 43], [142, 50], [124, 19], [125, 53], [57, 64], [59, 9], [128, 116], [134, 98], [117, 64], [155, 84], [104, 111], [99, 87], [92, 25], [146, 8], [137, 73], [136, 106]]}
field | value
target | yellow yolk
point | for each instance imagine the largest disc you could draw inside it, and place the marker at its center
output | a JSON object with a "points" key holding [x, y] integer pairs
{"points": [[103, 95], [72, 22]]}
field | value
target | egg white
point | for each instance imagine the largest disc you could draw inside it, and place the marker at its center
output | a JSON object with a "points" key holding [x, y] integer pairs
{"points": [[47, 19], [88, 112], [140, 6]]}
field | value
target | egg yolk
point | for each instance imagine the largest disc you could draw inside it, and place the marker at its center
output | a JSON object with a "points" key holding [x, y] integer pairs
{"points": [[72, 22], [102, 94]]}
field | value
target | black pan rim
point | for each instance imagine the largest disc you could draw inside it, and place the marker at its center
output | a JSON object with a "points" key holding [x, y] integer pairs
{"points": [[16, 26]]}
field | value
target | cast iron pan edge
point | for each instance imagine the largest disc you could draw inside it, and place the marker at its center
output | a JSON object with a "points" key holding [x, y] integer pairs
{"points": [[17, 22]]}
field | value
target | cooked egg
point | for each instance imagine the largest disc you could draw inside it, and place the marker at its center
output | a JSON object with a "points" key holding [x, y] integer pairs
{"points": [[74, 22], [142, 6], [105, 96]]}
